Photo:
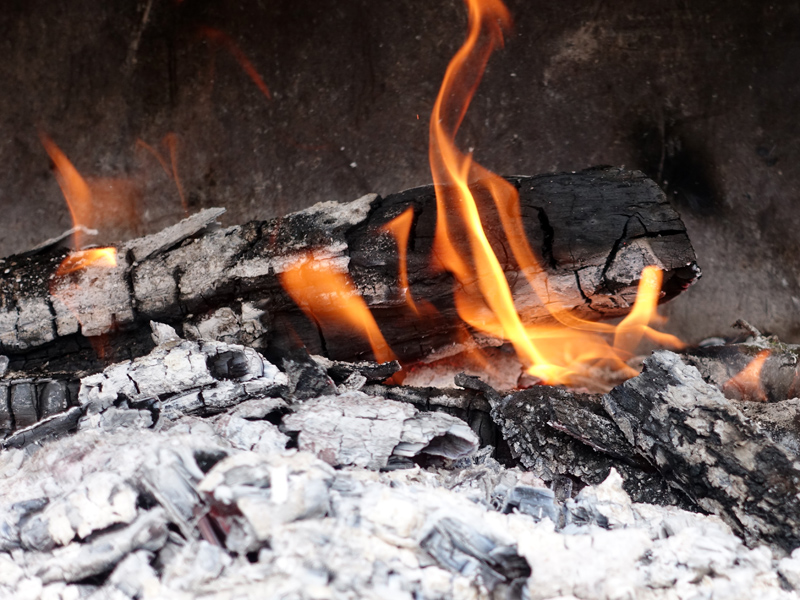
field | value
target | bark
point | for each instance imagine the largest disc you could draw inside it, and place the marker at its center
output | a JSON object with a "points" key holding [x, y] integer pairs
{"points": [[704, 444], [593, 230], [556, 433]]}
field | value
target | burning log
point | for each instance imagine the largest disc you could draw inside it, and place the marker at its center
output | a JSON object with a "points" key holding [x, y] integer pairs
{"points": [[595, 230]]}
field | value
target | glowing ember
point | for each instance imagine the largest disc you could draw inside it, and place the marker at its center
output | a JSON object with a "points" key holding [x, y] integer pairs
{"points": [[329, 297], [746, 384], [82, 259]]}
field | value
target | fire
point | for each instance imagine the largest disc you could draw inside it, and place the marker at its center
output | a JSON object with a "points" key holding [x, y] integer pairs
{"points": [[400, 227], [93, 202], [82, 259], [746, 384], [568, 351], [571, 350], [84, 202], [74, 187], [329, 297]]}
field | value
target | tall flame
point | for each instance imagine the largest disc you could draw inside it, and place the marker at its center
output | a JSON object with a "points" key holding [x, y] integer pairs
{"points": [[565, 352]]}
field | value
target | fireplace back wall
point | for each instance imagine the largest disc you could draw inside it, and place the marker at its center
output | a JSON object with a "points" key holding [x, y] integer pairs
{"points": [[704, 96]]}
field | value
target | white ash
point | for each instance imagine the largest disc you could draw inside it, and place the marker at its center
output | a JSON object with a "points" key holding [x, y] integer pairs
{"points": [[232, 326], [182, 369], [356, 429], [313, 532], [142, 248], [218, 507]]}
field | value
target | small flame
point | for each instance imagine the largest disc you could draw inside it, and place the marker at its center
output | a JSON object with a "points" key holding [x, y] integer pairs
{"points": [[746, 384], [400, 228], [83, 201], [75, 189], [221, 39], [329, 297], [82, 259]]}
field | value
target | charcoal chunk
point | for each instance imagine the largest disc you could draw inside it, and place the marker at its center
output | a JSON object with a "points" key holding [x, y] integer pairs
{"points": [[23, 404], [54, 398], [459, 548]]}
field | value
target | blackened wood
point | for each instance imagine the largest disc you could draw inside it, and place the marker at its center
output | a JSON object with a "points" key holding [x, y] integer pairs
{"points": [[704, 445], [593, 230], [23, 404], [53, 426], [555, 433], [24, 401]]}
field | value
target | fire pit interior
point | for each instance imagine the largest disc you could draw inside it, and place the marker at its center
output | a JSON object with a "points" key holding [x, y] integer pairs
{"points": [[271, 325]]}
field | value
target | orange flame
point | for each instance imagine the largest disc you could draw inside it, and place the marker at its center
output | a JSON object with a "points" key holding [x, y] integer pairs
{"points": [[746, 384], [400, 227], [97, 257], [571, 350], [221, 39], [329, 297], [562, 353], [81, 200], [75, 189]]}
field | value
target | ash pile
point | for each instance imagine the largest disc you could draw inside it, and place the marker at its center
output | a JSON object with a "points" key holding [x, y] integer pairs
{"points": [[202, 469]]}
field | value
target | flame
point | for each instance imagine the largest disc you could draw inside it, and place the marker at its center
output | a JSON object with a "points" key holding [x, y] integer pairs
{"points": [[571, 350], [568, 351], [221, 39], [400, 228], [746, 384], [82, 259], [74, 187], [87, 205], [329, 297]]}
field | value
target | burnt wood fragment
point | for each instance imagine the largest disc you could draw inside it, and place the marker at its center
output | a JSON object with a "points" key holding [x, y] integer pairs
{"points": [[556, 433], [51, 427], [593, 230], [703, 444]]}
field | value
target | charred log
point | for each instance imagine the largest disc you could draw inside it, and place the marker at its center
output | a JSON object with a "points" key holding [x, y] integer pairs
{"points": [[555, 433], [594, 231], [704, 445]]}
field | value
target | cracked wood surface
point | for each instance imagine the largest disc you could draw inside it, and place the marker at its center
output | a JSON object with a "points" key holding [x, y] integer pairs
{"points": [[706, 446], [594, 231]]}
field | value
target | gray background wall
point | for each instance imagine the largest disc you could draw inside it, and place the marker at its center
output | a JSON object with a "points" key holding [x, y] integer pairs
{"points": [[704, 95]]}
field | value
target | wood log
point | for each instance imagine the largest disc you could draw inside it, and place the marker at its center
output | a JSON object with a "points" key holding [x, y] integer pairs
{"points": [[557, 433], [594, 231], [704, 445]]}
